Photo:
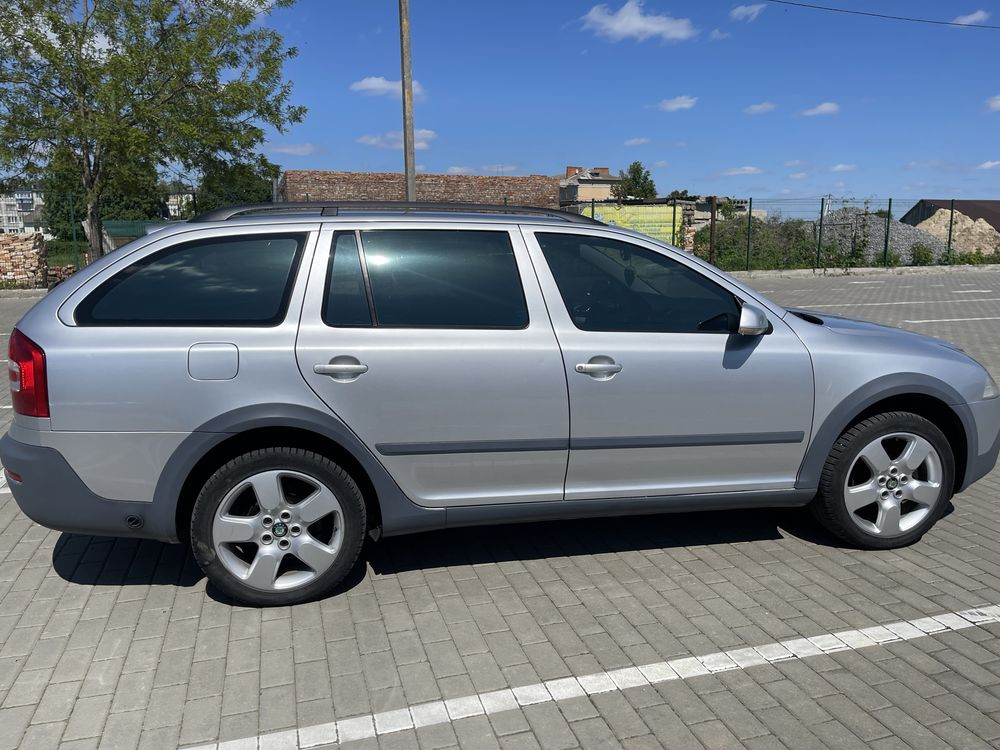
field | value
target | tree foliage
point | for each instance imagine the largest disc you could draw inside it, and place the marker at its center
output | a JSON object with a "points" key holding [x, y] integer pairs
{"points": [[635, 183], [186, 83], [225, 184]]}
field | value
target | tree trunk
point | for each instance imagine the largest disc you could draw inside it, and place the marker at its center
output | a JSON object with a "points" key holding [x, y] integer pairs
{"points": [[94, 228]]}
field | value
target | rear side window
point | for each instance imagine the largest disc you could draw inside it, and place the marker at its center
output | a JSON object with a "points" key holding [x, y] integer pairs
{"points": [[444, 279], [234, 281], [346, 302]]}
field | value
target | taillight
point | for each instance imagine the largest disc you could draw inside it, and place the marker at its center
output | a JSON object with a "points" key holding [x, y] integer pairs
{"points": [[28, 385]]}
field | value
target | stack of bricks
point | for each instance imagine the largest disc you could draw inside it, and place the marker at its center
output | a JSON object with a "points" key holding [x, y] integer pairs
{"points": [[23, 261], [319, 185]]}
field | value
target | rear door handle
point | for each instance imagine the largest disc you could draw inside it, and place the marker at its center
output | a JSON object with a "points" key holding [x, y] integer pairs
{"points": [[600, 367], [340, 369]]}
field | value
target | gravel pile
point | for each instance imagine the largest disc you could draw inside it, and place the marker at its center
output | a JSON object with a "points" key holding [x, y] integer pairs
{"points": [[849, 225], [967, 235]]}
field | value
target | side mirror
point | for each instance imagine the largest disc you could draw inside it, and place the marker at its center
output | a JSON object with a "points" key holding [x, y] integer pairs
{"points": [[753, 322]]}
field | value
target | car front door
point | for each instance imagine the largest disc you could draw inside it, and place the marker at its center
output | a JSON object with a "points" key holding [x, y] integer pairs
{"points": [[434, 346], [665, 398]]}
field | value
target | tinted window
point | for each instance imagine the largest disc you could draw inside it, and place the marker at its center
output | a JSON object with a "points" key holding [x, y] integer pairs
{"points": [[346, 302], [609, 285], [444, 279], [220, 281]]}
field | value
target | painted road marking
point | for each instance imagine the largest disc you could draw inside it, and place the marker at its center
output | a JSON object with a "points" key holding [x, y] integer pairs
{"points": [[948, 320], [368, 726], [973, 291], [916, 302], [865, 282]]}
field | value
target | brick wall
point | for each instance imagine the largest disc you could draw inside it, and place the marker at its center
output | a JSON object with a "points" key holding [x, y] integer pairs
{"points": [[319, 185], [22, 260]]}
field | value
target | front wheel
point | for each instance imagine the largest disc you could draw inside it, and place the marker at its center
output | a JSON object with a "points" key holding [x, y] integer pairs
{"points": [[886, 482], [278, 526]]}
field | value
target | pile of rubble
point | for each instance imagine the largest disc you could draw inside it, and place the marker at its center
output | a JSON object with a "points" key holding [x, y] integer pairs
{"points": [[967, 235], [22, 261], [849, 228]]}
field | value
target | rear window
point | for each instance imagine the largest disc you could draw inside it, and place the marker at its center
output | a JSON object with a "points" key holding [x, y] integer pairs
{"points": [[230, 281], [426, 278]]}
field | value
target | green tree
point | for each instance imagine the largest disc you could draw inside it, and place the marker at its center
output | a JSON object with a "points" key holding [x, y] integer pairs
{"points": [[161, 82], [681, 195], [636, 183], [226, 184]]}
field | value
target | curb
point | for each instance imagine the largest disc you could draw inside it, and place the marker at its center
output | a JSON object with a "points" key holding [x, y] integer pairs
{"points": [[23, 293], [798, 273]]}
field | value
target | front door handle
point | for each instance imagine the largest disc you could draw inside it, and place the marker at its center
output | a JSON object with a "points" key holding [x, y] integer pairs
{"points": [[343, 368], [600, 368]]}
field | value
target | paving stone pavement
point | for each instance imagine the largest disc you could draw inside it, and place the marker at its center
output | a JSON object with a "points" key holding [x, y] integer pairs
{"points": [[115, 643]]}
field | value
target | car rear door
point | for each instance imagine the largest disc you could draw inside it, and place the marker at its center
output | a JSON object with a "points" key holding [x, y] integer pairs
{"points": [[433, 344], [664, 400]]}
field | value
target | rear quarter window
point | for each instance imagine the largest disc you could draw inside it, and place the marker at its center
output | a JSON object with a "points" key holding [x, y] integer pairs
{"points": [[227, 281]]}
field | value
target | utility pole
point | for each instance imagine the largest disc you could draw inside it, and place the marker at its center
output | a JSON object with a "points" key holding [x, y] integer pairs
{"points": [[407, 84]]}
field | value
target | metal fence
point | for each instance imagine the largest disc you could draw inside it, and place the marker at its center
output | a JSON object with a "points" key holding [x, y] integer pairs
{"points": [[820, 233]]}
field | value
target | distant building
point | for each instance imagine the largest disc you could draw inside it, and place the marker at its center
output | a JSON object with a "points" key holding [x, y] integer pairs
{"points": [[177, 204], [327, 185], [21, 212], [584, 185], [987, 210]]}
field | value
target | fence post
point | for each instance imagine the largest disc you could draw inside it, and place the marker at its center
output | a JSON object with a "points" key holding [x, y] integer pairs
{"points": [[819, 242], [673, 226], [749, 229], [593, 210], [72, 221], [711, 232], [888, 226], [951, 225]]}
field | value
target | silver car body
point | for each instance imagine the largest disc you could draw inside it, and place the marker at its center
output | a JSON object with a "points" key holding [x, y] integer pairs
{"points": [[459, 427]]}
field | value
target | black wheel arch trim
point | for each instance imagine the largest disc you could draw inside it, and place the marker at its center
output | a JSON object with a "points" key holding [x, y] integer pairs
{"points": [[399, 514], [880, 389]]}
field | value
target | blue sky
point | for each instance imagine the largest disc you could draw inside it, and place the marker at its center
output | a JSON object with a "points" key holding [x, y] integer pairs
{"points": [[846, 105]]}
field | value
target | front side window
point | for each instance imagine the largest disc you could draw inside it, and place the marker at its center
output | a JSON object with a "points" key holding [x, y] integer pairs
{"points": [[609, 285], [228, 281], [429, 278]]}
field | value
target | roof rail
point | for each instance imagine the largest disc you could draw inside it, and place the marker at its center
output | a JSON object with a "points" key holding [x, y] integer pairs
{"points": [[332, 208]]}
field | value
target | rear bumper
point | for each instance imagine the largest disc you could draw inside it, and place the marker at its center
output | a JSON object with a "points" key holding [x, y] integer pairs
{"points": [[51, 494], [986, 415]]}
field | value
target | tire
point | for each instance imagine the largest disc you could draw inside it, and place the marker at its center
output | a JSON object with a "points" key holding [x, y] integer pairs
{"points": [[907, 495], [278, 526]]}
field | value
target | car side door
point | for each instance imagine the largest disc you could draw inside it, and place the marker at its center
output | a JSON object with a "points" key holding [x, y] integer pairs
{"points": [[665, 397], [433, 344]]}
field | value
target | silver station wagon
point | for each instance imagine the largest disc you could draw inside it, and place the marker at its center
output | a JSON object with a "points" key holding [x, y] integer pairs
{"points": [[273, 383]]}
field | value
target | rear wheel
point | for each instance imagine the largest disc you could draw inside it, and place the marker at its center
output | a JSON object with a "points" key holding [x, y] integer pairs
{"points": [[886, 482], [278, 526]]}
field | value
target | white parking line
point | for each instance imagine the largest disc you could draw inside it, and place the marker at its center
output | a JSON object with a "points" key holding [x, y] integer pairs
{"points": [[865, 282], [973, 291], [915, 302], [368, 726], [948, 320]]}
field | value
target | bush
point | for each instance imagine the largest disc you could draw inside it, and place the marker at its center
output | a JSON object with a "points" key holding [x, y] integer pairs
{"points": [[922, 255], [60, 252]]}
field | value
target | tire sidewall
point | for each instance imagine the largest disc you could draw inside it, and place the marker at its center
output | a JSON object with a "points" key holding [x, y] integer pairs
{"points": [[241, 468], [846, 451]]}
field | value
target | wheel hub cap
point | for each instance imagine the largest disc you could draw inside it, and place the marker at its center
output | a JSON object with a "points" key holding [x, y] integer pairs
{"points": [[890, 484], [280, 529]]}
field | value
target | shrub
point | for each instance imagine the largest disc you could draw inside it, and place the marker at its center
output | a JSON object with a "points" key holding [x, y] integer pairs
{"points": [[922, 255]]}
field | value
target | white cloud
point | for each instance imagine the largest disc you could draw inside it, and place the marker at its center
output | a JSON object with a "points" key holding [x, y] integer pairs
{"points": [[739, 171], [294, 149], [993, 103], [826, 108], [641, 141], [717, 36], [629, 22], [971, 19], [760, 109], [798, 175], [677, 103], [379, 86], [844, 168], [460, 170], [661, 164], [989, 165], [747, 13], [792, 163], [394, 139], [923, 164]]}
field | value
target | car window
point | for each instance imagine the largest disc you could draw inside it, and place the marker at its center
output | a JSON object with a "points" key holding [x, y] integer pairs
{"points": [[432, 278], [238, 281], [346, 299], [609, 285]]}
